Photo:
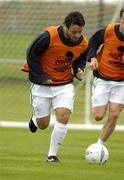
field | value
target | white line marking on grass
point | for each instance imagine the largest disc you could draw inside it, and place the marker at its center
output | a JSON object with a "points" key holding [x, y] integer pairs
{"points": [[24, 169], [14, 124], [16, 158]]}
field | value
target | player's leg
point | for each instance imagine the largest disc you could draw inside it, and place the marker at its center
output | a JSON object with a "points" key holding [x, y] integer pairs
{"points": [[99, 112], [100, 99], [41, 106], [63, 105], [115, 107], [110, 124], [59, 132], [41, 123]]}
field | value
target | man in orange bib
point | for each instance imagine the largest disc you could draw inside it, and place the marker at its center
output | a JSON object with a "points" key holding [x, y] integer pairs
{"points": [[106, 57], [53, 60]]}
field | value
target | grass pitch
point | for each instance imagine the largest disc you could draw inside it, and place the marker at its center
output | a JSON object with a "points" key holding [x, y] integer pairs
{"points": [[23, 156]]}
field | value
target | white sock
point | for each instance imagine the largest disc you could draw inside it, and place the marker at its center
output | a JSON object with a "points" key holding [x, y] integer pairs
{"points": [[100, 141], [57, 137], [34, 121]]}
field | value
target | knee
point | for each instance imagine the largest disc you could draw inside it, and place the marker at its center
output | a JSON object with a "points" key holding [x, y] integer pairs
{"points": [[63, 117], [97, 116], [42, 127], [113, 116], [42, 123]]}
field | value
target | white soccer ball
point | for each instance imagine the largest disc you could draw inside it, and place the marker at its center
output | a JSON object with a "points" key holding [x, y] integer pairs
{"points": [[96, 154]]}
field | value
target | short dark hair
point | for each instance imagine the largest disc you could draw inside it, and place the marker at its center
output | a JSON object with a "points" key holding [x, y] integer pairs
{"points": [[121, 12], [75, 18]]}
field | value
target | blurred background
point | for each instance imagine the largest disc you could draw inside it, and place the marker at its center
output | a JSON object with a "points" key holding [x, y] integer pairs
{"points": [[23, 20]]}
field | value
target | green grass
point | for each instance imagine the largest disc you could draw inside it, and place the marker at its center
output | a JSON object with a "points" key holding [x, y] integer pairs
{"points": [[23, 156], [16, 45], [15, 101]]}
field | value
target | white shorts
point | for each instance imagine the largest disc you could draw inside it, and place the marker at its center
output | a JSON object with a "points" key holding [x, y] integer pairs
{"points": [[46, 98], [107, 91]]}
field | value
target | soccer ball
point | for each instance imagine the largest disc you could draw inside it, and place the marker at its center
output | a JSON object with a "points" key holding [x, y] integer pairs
{"points": [[96, 154]]}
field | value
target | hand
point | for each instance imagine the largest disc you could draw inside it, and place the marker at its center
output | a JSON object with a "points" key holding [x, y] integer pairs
{"points": [[93, 64], [79, 74], [48, 81]]}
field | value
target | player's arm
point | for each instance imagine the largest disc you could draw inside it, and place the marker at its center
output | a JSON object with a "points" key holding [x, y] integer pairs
{"points": [[94, 43], [34, 52], [121, 49], [79, 65]]}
